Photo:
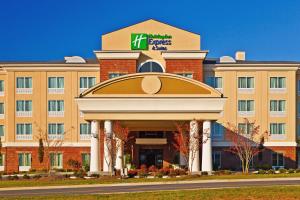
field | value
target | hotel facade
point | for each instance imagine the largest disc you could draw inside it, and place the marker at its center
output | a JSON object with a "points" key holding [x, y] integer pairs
{"points": [[148, 77]]}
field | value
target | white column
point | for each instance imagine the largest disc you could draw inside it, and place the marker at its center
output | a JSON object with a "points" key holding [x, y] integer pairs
{"points": [[107, 158], [194, 164], [119, 154], [94, 161], [206, 147]]}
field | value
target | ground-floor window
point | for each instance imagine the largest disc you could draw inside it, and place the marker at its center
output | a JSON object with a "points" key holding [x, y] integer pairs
{"points": [[277, 160], [217, 160], [85, 159], [24, 159], [56, 160], [1, 160]]}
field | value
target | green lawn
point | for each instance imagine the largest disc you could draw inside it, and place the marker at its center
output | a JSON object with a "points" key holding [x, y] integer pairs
{"points": [[108, 180], [251, 193]]}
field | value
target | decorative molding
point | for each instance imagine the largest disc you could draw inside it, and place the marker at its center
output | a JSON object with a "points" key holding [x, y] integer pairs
{"points": [[36, 144], [117, 55], [184, 55]]}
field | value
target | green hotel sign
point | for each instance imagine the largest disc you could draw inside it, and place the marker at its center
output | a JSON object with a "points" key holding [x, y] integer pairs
{"points": [[142, 41]]}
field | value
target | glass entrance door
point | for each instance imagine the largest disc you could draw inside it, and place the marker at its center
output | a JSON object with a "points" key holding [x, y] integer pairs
{"points": [[151, 157]]}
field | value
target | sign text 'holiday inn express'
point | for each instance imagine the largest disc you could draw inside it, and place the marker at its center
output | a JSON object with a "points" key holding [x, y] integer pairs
{"points": [[142, 41]]}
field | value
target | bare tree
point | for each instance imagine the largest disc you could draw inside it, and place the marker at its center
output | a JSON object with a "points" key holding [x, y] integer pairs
{"points": [[245, 143]]}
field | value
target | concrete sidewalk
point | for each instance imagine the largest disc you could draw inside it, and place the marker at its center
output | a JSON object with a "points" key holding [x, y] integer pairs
{"points": [[152, 183]]}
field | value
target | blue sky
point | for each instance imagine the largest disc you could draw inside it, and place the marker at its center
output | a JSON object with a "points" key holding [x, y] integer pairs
{"points": [[52, 29]]}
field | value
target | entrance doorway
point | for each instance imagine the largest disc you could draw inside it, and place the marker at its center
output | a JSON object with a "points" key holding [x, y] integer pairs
{"points": [[151, 157]]}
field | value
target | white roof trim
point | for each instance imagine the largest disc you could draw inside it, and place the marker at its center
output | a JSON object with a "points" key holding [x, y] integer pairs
{"points": [[184, 55], [116, 55]]}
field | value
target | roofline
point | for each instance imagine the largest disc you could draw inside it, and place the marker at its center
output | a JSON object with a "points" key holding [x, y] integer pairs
{"points": [[49, 65]]}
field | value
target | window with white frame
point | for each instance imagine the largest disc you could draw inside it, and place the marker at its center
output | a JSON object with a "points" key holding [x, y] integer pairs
{"points": [[115, 74], [2, 131], [277, 130], [246, 107], [246, 82], [55, 130], [86, 82], [215, 82], [1, 87], [277, 160], [24, 108], [1, 110], [24, 131], [245, 128], [216, 160], [56, 85], [2, 159], [217, 131], [24, 85], [85, 159], [56, 108], [24, 159], [277, 108], [56, 160], [277, 82], [85, 131], [187, 75]]}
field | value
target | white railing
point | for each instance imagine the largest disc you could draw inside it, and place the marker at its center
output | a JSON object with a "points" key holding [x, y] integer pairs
{"points": [[1, 93], [56, 113], [1, 116], [56, 90], [277, 113], [24, 137], [24, 114], [246, 113], [85, 137], [277, 90], [24, 168], [246, 90], [24, 90], [55, 137]]}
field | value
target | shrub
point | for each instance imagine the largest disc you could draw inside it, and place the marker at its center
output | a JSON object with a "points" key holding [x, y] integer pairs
{"points": [[86, 167], [159, 175], [132, 173], [152, 168], [271, 171], [80, 173], [283, 171], [164, 171], [172, 173], [13, 177], [25, 176], [291, 171], [37, 176], [142, 172], [264, 167], [95, 175], [32, 170], [180, 172], [204, 173], [75, 164], [261, 171], [297, 170]]}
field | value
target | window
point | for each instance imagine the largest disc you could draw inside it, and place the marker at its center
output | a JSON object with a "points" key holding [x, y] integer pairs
{"points": [[56, 160], [24, 85], [85, 131], [2, 160], [298, 130], [188, 75], [298, 87], [245, 82], [277, 160], [245, 105], [217, 131], [277, 82], [24, 108], [277, 105], [114, 75], [277, 128], [150, 66], [1, 110], [217, 160], [86, 82], [1, 130], [85, 159], [24, 131], [55, 131], [56, 85], [56, 108], [24, 159], [245, 128], [1, 87], [298, 109], [215, 82]]}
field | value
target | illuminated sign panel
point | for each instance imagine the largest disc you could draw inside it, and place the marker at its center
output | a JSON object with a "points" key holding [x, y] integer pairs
{"points": [[142, 41]]}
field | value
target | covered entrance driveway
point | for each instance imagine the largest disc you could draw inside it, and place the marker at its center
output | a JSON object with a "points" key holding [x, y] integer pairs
{"points": [[149, 102]]}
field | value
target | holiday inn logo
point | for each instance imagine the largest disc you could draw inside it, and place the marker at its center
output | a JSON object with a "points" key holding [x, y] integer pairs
{"points": [[139, 41]]}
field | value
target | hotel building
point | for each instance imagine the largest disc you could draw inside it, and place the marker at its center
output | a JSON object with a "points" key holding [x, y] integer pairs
{"points": [[147, 76]]}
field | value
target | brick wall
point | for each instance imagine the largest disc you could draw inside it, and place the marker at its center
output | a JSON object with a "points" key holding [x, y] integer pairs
{"points": [[116, 66], [194, 66]]}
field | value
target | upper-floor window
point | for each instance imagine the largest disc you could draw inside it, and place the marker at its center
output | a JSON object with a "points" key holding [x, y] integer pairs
{"points": [[1, 110], [56, 108], [1, 130], [56, 85], [246, 82], [277, 108], [277, 130], [85, 131], [215, 82], [245, 128], [24, 108], [277, 160], [24, 131], [188, 75], [277, 82], [150, 66], [86, 82], [1, 87], [24, 85], [115, 74], [55, 130], [246, 107]]}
